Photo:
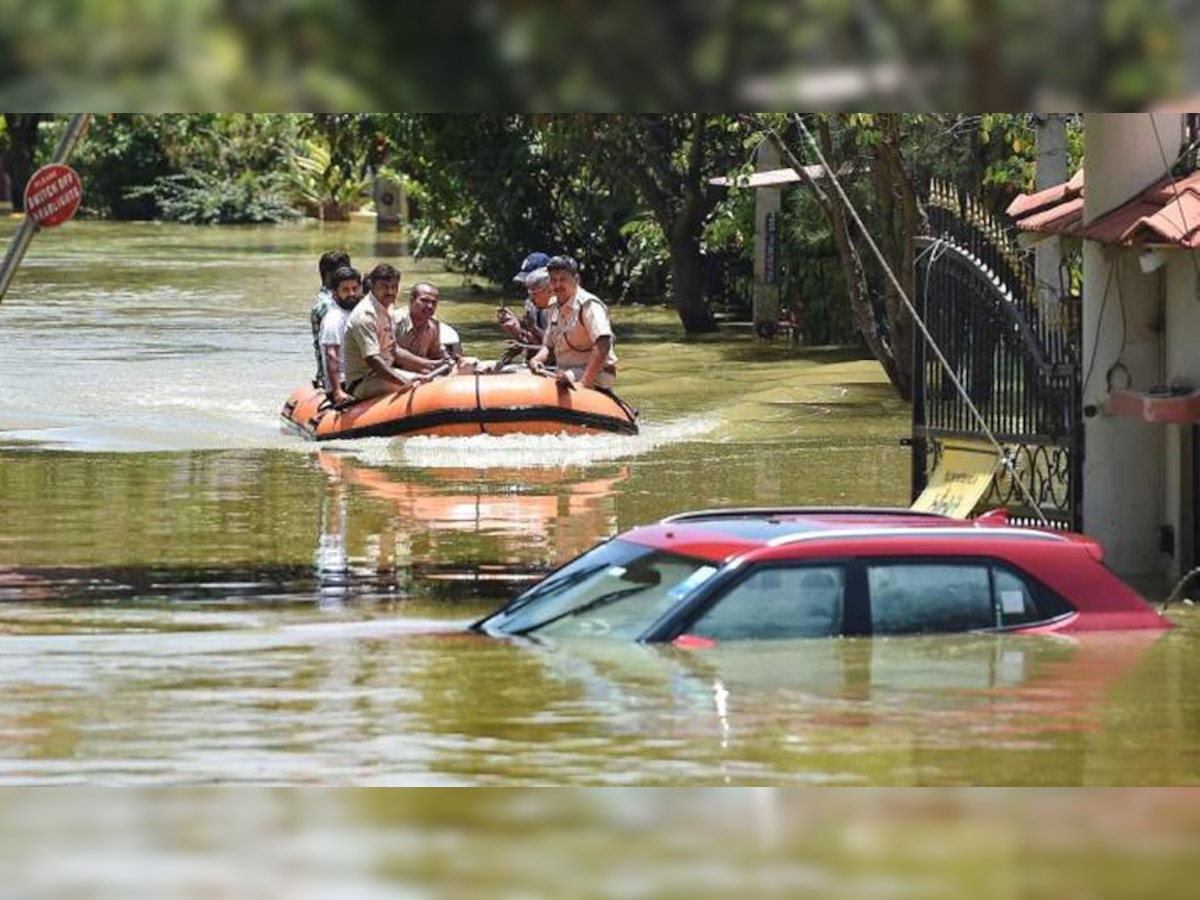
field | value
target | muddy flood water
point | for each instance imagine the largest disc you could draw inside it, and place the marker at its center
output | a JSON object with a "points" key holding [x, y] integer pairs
{"points": [[188, 595]]}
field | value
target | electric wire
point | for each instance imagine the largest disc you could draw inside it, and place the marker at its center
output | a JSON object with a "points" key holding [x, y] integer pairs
{"points": [[1096, 340], [1005, 460], [1177, 593], [1162, 152]]}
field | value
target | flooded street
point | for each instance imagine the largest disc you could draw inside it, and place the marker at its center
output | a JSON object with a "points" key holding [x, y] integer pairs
{"points": [[188, 595]]}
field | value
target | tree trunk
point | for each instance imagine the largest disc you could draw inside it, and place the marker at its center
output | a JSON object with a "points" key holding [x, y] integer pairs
{"points": [[687, 285], [858, 284], [19, 156], [680, 211], [858, 289], [897, 203]]}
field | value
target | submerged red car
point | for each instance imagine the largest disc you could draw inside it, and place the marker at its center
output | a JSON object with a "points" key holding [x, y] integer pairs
{"points": [[764, 574]]}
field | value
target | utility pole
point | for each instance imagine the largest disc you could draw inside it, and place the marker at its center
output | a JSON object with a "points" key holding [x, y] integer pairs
{"points": [[21, 240]]}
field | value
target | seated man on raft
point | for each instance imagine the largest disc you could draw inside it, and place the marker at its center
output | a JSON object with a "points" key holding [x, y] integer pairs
{"points": [[419, 334], [530, 329], [369, 345]]}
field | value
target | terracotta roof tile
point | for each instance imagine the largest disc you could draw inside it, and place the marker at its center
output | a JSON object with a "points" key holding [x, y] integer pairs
{"points": [[1163, 213], [1029, 203], [1114, 227], [1175, 223], [1063, 218]]}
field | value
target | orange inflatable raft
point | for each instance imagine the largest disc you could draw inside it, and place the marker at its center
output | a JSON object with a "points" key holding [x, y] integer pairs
{"points": [[460, 405]]}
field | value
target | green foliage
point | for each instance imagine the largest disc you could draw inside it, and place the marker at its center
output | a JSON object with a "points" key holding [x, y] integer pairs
{"points": [[730, 226], [322, 187], [627, 194], [123, 152], [132, 163], [669, 160], [1013, 166], [642, 268], [491, 188], [196, 197], [990, 154], [811, 281], [19, 138]]}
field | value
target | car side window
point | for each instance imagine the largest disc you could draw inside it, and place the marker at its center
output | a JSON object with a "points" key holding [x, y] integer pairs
{"points": [[926, 598], [1014, 599], [778, 602], [1022, 602]]}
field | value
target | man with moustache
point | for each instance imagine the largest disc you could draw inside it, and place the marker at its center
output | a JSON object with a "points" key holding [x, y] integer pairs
{"points": [[579, 333], [419, 346], [369, 347]]}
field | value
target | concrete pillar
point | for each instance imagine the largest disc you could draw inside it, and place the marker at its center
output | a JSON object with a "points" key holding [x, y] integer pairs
{"points": [[1123, 490], [1052, 169], [391, 212], [767, 202]]}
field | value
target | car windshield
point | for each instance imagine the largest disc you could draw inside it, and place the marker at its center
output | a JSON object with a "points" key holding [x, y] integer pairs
{"points": [[616, 590]]}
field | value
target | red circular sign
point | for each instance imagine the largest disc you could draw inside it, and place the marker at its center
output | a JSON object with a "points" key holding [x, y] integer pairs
{"points": [[53, 195]]}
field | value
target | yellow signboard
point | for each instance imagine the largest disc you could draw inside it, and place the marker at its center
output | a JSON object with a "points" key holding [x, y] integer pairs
{"points": [[961, 478]]}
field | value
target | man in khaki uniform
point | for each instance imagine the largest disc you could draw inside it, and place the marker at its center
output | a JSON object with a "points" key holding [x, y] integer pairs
{"points": [[369, 347], [579, 333]]}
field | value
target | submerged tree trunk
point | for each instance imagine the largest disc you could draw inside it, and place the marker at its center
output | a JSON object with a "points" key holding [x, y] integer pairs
{"points": [[687, 262], [898, 214], [858, 289], [680, 201], [687, 285]]}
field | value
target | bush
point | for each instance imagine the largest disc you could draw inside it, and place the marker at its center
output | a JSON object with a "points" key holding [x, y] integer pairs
{"points": [[201, 198]]}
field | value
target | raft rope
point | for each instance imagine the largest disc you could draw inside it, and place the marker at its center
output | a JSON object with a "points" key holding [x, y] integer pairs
{"points": [[479, 403], [1005, 460]]}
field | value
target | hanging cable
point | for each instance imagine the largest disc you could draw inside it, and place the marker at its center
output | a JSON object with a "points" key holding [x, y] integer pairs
{"points": [[1005, 460], [1162, 151], [1087, 378], [1178, 593]]}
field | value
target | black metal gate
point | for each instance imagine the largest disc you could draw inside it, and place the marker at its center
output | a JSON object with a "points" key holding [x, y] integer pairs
{"points": [[1016, 358]]}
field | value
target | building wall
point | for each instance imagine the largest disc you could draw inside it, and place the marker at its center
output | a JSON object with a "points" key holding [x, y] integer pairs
{"points": [[1124, 492], [1182, 322], [1123, 472]]}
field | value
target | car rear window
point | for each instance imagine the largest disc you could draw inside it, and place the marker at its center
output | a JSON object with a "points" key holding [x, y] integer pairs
{"points": [[930, 597]]}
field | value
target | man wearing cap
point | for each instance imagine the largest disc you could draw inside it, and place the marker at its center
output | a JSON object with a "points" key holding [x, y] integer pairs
{"points": [[579, 333], [534, 277]]}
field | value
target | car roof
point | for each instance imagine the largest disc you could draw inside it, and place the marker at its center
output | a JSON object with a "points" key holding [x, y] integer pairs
{"points": [[717, 534]]}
